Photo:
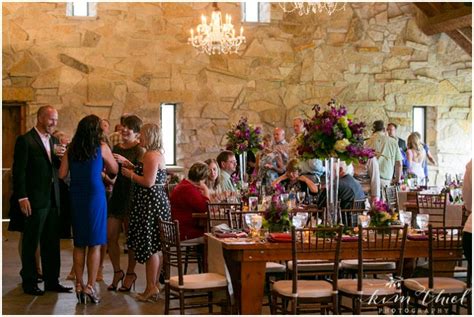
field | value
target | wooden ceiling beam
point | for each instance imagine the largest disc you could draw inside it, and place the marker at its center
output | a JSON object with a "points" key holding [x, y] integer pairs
{"points": [[446, 21], [461, 40]]}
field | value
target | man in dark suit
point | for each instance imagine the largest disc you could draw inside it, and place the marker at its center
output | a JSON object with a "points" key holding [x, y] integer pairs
{"points": [[36, 188]]}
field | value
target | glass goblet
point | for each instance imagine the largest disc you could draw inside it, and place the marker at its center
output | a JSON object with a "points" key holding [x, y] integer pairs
{"points": [[301, 196]]}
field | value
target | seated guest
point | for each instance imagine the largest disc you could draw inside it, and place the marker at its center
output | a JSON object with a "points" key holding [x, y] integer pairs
{"points": [[349, 189], [368, 175], [293, 180], [190, 196], [269, 163], [213, 179], [227, 163]]}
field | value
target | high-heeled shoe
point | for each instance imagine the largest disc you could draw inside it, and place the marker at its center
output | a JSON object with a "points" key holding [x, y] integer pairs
{"points": [[151, 296], [127, 289], [90, 295], [113, 286], [80, 294]]}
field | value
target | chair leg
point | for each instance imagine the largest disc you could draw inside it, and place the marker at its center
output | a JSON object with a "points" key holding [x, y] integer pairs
{"points": [[186, 259], [335, 304], [293, 305], [167, 299], [181, 302], [209, 298]]}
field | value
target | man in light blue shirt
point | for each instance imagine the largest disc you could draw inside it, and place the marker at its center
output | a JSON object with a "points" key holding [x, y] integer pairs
{"points": [[228, 164]]}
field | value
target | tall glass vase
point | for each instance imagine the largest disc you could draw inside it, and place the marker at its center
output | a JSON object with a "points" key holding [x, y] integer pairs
{"points": [[333, 216], [243, 167]]}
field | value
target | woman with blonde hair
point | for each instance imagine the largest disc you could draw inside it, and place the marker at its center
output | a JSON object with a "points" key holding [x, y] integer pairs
{"points": [[213, 179], [150, 202], [416, 155]]}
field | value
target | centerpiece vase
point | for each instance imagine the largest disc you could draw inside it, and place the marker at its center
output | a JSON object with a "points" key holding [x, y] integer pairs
{"points": [[243, 166], [333, 213]]}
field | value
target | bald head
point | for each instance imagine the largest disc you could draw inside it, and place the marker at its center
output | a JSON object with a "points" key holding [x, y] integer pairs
{"points": [[46, 119], [278, 135]]}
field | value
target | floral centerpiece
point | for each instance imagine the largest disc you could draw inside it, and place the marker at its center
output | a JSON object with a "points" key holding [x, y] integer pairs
{"points": [[381, 215], [244, 137], [333, 133], [276, 217]]}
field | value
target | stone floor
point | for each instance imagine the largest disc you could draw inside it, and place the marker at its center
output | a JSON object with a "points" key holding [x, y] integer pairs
{"points": [[15, 302]]}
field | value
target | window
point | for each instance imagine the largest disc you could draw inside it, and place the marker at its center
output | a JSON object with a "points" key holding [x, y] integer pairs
{"points": [[168, 131], [419, 121], [81, 9], [253, 11]]}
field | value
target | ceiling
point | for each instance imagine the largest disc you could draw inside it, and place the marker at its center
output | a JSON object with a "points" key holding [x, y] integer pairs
{"points": [[452, 18]]}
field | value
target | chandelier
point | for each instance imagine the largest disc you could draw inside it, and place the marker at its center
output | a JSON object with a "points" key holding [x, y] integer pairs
{"points": [[305, 7], [216, 37]]}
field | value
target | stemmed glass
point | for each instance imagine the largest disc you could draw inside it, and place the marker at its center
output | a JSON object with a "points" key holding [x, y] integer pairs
{"points": [[363, 220], [284, 198], [301, 196], [422, 220], [299, 219], [254, 222]]}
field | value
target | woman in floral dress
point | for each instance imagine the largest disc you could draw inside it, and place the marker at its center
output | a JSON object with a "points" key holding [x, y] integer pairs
{"points": [[150, 202]]}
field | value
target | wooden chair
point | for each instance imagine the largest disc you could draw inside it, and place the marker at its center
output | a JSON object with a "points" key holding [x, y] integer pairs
{"points": [[358, 204], [349, 216], [310, 295], [218, 213], [375, 244], [435, 206], [182, 287], [391, 195], [445, 251]]}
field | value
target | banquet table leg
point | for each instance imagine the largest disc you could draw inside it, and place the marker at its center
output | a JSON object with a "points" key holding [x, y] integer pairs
{"points": [[248, 280]]}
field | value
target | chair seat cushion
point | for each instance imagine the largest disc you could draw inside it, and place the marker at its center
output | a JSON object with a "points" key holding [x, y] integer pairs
{"points": [[200, 281], [274, 267], [369, 286], [446, 284], [354, 265], [312, 266], [306, 289]]}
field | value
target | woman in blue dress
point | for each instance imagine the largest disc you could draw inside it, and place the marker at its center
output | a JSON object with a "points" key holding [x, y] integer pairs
{"points": [[85, 160], [150, 202]]}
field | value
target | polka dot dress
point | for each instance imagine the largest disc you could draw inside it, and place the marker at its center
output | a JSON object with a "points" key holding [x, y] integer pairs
{"points": [[149, 204]]}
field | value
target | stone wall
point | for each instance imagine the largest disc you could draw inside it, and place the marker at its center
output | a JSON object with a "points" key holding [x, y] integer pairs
{"points": [[135, 56]]}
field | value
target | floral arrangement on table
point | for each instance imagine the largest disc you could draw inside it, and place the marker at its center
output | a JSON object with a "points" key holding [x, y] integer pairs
{"points": [[244, 137], [381, 215], [276, 217], [250, 191], [333, 133]]}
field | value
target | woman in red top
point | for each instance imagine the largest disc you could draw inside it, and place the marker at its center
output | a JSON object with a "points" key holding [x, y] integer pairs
{"points": [[191, 196]]}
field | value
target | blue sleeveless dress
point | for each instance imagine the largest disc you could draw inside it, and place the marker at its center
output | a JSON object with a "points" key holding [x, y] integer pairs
{"points": [[88, 202]]}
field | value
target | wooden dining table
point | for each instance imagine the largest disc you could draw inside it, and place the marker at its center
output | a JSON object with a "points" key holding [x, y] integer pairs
{"points": [[245, 263]]}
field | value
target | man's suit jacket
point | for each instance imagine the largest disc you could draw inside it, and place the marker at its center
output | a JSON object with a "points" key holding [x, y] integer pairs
{"points": [[402, 144], [33, 172]]}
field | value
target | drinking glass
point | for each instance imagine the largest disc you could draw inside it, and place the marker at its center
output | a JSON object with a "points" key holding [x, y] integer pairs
{"points": [[254, 222], [284, 198], [301, 196], [59, 149], [363, 220], [300, 219], [253, 203], [405, 217], [422, 220]]}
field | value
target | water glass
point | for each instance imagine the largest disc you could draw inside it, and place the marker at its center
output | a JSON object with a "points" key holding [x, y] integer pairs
{"points": [[405, 217], [301, 196], [422, 220], [363, 220], [284, 198], [253, 203], [299, 219], [254, 222]]}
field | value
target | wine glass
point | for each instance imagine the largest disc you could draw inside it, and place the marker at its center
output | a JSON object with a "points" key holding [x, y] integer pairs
{"points": [[301, 196], [301, 219], [422, 221], [284, 198]]}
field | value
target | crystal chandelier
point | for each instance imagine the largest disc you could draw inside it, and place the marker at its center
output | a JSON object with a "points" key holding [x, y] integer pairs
{"points": [[216, 37], [306, 7]]}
